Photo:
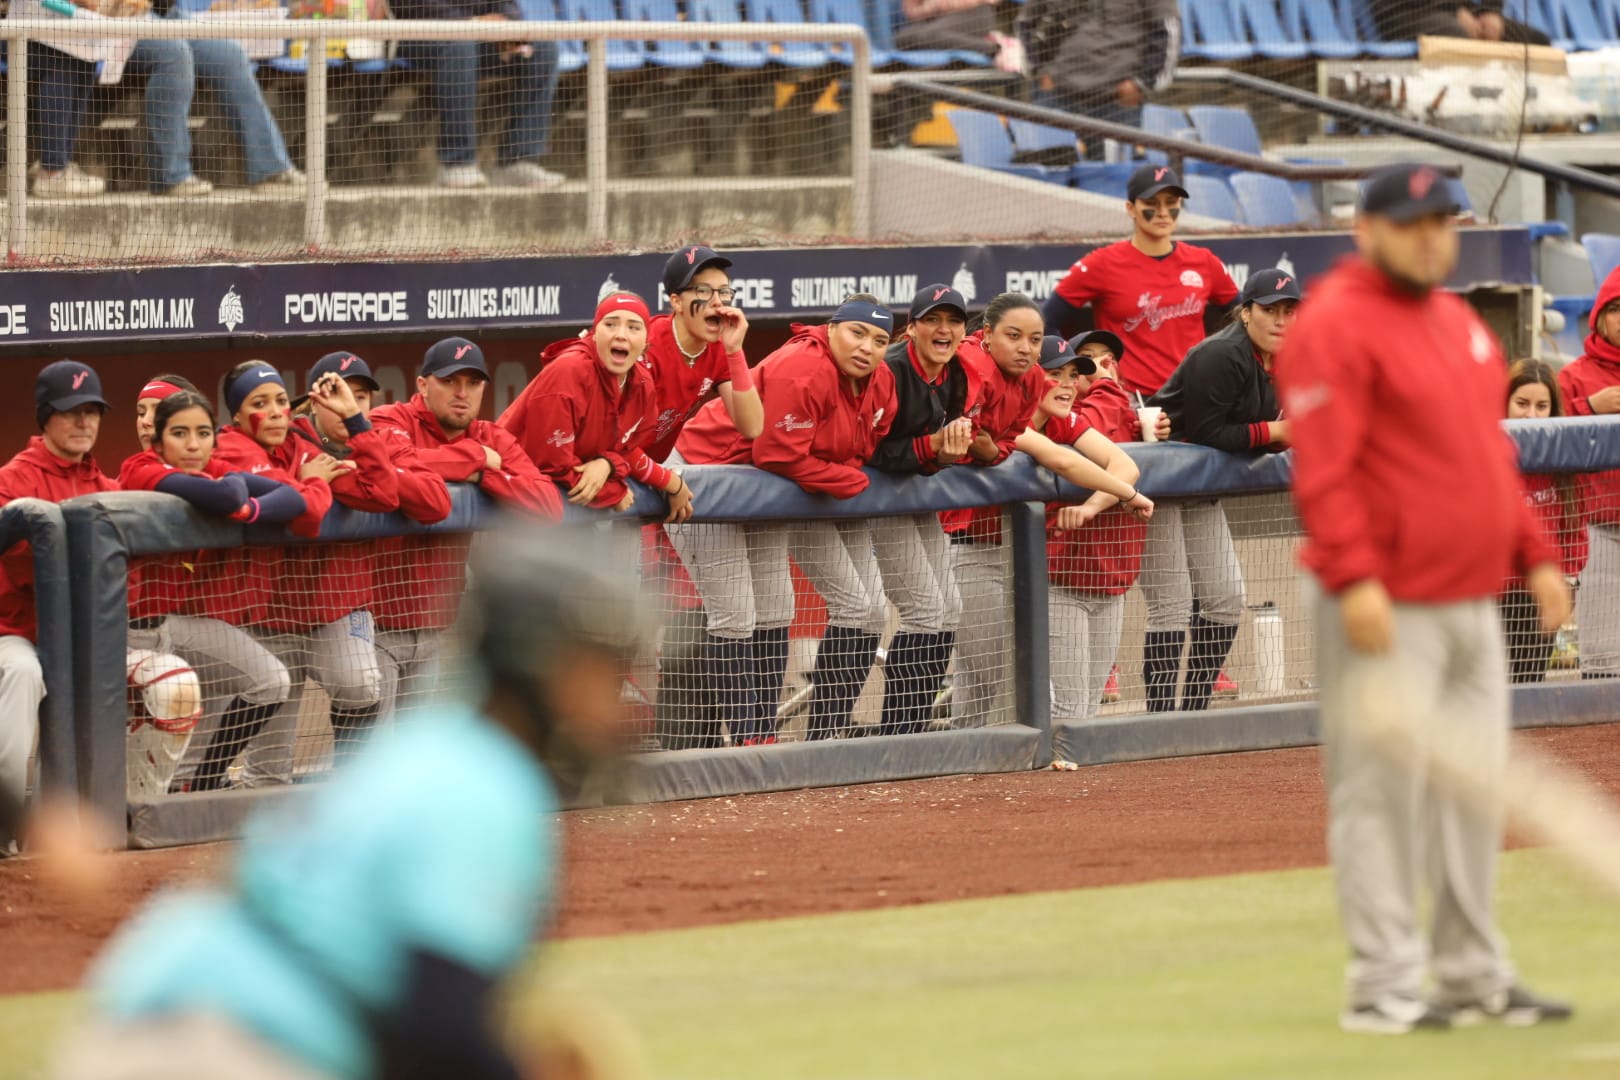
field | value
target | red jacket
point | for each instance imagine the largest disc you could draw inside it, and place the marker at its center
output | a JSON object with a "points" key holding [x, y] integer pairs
{"points": [[36, 473], [1008, 406], [517, 482], [1561, 517], [682, 385], [818, 432], [234, 585], [1402, 472], [237, 452], [1597, 369], [575, 410], [1105, 557]]}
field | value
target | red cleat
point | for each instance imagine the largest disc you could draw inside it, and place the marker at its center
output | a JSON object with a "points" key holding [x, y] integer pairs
{"points": [[1110, 692], [1225, 686]]}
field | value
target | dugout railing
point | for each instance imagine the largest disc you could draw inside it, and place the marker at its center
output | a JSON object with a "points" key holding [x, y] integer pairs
{"points": [[39, 524], [103, 533]]}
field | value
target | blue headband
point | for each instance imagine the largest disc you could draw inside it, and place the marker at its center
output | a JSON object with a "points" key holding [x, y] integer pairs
{"points": [[247, 382], [863, 312]]}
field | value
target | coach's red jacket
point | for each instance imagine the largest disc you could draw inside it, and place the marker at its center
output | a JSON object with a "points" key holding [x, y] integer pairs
{"points": [[1402, 472], [575, 410], [1008, 407], [818, 432], [457, 460], [36, 473], [1598, 368], [1105, 557]]}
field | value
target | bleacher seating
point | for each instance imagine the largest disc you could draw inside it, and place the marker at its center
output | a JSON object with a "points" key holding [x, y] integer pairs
{"points": [[1266, 201], [1603, 251], [983, 141], [1209, 196]]}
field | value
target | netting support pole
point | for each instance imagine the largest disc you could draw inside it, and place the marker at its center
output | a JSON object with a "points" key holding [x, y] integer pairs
{"points": [[315, 145], [860, 136], [1032, 644], [17, 149], [596, 153]]}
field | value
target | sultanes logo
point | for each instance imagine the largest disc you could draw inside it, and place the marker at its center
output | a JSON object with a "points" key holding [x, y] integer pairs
{"points": [[940, 292], [1285, 264], [348, 362], [78, 380], [230, 310], [462, 350], [609, 287], [1282, 282], [691, 256], [1419, 183], [1158, 174], [965, 284]]}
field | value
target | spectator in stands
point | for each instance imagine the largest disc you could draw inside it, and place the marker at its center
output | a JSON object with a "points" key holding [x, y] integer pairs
{"points": [[1007, 353], [1220, 396], [1102, 58], [1160, 297], [1482, 20], [530, 73], [586, 418], [173, 67], [1590, 386], [195, 603], [1533, 394], [828, 400]]}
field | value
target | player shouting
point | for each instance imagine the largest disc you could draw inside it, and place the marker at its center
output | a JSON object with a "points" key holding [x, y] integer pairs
{"points": [[1160, 297], [1413, 516], [367, 931], [828, 400]]}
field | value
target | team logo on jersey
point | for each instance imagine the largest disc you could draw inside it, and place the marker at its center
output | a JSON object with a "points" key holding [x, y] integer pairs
{"points": [[559, 437], [1481, 344], [877, 417], [1192, 279], [1155, 315], [666, 422], [965, 284], [230, 310], [791, 422], [1307, 399], [631, 432], [705, 387]]}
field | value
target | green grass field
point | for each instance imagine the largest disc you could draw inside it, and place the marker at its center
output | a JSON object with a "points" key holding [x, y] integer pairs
{"points": [[1234, 977]]}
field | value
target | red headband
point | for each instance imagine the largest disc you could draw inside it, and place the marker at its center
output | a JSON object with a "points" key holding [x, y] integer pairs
{"points": [[621, 301], [157, 389]]}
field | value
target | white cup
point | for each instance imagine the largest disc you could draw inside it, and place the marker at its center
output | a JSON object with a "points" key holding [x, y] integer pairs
{"points": [[1148, 416]]}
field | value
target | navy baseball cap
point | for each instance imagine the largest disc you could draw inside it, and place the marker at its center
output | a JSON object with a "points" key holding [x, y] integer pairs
{"points": [[1149, 180], [684, 265], [344, 364], [445, 358], [1270, 287], [1404, 193], [1100, 337], [1056, 351], [932, 297], [63, 387]]}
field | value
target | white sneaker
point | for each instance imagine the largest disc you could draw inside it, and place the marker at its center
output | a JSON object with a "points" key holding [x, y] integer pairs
{"points": [[71, 183], [1395, 1015], [287, 182], [462, 176], [1010, 55], [192, 187], [526, 174]]}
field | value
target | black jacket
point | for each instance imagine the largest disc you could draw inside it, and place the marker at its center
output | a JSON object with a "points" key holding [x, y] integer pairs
{"points": [[920, 410], [1219, 393]]}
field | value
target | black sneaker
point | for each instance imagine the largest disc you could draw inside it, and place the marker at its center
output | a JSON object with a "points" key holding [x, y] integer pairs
{"points": [[1395, 1016], [1515, 1007]]}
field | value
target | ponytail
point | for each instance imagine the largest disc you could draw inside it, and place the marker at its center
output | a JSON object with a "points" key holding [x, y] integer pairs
{"points": [[1000, 307]]}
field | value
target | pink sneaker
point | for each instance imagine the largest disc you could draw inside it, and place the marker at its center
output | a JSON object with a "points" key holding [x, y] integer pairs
{"points": [[1111, 687], [1225, 686]]}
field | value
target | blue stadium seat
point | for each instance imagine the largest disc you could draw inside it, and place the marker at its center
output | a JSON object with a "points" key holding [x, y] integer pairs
{"points": [[1208, 32], [1210, 197], [1577, 22], [1162, 120], [621, 55], [1271, 39], [1366, 31], [1608, 12], [678, 55], [1030, 137], [792, 54], [848, 11], [1603, 252], [984, 143], [570, 54], [743, 55], [1266, 201], [1103, 178], [1223, 125], [1319, 23], [886, 18]]}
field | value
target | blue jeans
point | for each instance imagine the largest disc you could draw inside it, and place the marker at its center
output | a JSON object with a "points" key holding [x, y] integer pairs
{"points": [[173, 67], [454, 66]]}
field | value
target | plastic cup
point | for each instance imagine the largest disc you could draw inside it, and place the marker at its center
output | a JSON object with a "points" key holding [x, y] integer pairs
{"points": [[1149, 415]]}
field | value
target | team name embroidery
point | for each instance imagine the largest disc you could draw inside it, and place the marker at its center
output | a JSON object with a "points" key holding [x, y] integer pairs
{"points": [[793, 423], [559, 437], [631, 432], [1156, 316]]}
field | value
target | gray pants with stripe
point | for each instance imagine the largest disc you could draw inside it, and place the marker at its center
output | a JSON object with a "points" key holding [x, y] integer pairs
{"points": [[1085, 631], [408, 661], [1391, 827], [22, 688], [914, 557], [984, 639], [1190, 555], [1597, 612]]}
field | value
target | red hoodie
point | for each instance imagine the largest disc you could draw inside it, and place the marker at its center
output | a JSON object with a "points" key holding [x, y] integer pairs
{"points": [[517, 482], [1105, 557], [1561, 518], [234, 585], [682, 385], [818, 432], [239, 452], [1426, 499], [576, 410], [1598, 368], [1008, 405], [36, 473]]}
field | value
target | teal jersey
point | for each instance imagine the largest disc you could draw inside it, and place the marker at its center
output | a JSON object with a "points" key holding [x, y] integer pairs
{"points": [[439, 838]]}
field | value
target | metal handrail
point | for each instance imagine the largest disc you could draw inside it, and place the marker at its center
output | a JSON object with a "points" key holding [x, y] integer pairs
{"points": [[1170, 144], [1572, 175], [19, 31]]}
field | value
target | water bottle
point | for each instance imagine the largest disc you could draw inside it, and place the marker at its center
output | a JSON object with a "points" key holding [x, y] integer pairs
{"points": [[1268, 649]]}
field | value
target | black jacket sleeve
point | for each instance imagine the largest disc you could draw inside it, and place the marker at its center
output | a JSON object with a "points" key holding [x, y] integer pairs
{"points": [[441, 1026], [897, 453], [1208, 397]]}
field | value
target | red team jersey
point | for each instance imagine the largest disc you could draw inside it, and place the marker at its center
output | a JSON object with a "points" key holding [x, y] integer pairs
{"points": [[1105, 557], [1008, 405], [1156, 306], [682, 385]]}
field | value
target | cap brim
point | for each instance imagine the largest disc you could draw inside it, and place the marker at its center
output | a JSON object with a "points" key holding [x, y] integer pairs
{"points": [[73, 401], [1156, 188], [1405, 215], [1086, 364], [914, 316], [1273, 298], [456, 369]]}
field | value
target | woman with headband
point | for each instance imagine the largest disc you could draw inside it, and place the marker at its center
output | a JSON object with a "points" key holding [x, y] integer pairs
{"points": [[828, 400]]}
